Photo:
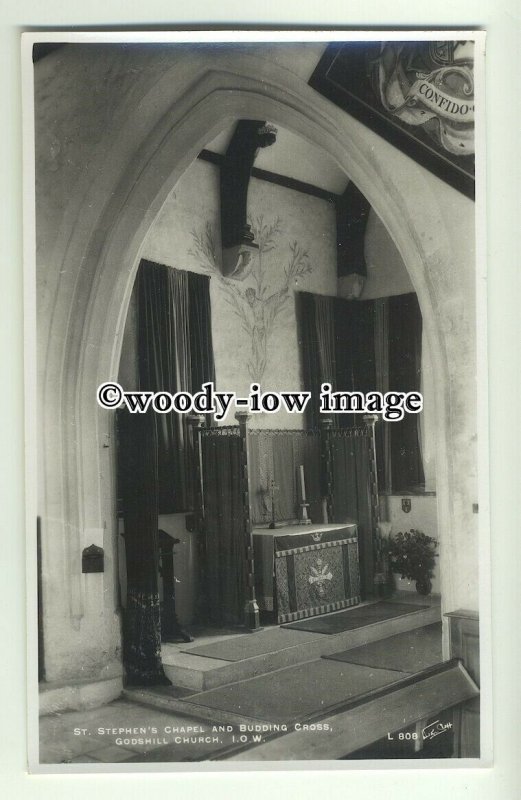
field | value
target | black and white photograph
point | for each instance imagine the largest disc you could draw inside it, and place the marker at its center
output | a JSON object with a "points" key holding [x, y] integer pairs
{"points": [[256, 532]]}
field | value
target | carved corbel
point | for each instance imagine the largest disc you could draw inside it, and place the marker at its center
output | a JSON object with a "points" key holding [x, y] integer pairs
{"points": [[238, 244]]}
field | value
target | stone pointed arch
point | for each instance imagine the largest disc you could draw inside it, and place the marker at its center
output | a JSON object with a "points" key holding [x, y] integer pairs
{"points": [[87, 271]]}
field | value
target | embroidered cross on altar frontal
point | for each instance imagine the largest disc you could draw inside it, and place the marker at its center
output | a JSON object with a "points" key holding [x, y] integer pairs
{"points": [[317, 579]]}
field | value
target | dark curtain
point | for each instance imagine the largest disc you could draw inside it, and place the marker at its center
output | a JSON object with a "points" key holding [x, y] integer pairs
{"points": [[202, 365], [382, 430], [138, 491], [378, 346], [286, 496], [278, 456], [315, 315], [354, 351], [224, 528], [175, 354], [405, 341], [324, 326], [305, 305], [154, 469], [261, 475], [352, 497], [338, 337]]}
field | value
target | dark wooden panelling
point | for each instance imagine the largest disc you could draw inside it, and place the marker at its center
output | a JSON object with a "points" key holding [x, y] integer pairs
{"points": [[464, 640], [464, 644]]}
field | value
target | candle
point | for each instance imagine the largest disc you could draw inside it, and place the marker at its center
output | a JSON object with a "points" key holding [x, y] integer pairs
{"points": [[302, 484]]}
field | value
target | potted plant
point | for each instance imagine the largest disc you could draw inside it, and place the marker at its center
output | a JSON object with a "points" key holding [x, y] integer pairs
{"points": [[412, 555]]}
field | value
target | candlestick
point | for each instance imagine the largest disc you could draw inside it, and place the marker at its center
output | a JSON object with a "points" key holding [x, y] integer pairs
{"points": [[303, 505], [302, 484]]}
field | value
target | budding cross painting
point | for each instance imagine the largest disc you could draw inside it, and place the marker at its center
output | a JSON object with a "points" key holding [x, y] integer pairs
{"points": [[279, 581]]}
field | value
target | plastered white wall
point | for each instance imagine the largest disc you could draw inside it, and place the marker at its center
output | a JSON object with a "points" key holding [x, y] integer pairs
{"points": [[297, 229]]}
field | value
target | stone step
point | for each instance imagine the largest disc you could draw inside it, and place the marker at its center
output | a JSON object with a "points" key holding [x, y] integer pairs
{"points": [[200, 673], [161, 699], [356, 704]]}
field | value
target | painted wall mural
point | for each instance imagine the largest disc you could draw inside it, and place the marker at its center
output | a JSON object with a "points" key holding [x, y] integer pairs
{"points": [[256, 302], [254, 329]]}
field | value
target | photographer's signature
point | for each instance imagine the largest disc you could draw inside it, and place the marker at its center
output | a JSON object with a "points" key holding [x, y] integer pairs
{"points": [[435, 729]]}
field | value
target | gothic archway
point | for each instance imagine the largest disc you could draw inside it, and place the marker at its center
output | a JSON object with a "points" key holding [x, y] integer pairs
{"points": [[101, 260]]}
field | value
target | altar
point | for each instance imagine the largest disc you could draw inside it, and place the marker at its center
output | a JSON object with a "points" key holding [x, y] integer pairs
{"points": [[303, 571]]}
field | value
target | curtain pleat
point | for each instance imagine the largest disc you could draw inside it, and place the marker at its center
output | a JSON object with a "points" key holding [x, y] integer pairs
{"points": [[154, 470], [382, 430], [175, 354], [261, 472], [309, 349], [325, 337], [352, 498], [277, 457], [224, 528], [285, 479], [315, 315], [405, 327], [200, 316], [354, 350], [138, 491]]}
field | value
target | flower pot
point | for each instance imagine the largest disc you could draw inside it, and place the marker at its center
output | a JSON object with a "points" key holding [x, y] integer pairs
{"points": [[424, 586]]}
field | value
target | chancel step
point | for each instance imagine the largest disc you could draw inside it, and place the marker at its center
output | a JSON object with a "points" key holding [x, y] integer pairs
{"points": [[283, 649], [355, 704]]}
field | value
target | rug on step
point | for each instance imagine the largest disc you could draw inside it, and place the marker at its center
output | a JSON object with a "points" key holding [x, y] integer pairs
{"points": [[353, 618], [412, 651], [293, 693], [238, 648]]}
